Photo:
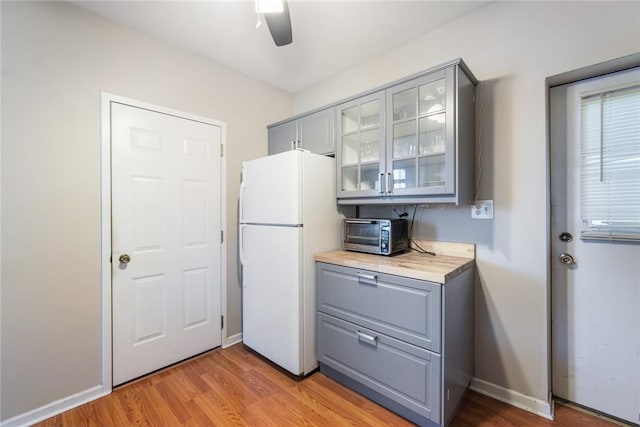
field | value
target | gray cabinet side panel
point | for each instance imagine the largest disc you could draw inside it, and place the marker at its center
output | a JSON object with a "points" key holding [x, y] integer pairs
{"points": [[457, 327], [466, 136]]}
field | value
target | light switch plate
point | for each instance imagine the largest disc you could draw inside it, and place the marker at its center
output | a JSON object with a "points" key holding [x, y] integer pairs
{"points": [[483, 209]]}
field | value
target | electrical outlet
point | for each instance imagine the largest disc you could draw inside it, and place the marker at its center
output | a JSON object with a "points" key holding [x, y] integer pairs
{"points": [[482, 210]]}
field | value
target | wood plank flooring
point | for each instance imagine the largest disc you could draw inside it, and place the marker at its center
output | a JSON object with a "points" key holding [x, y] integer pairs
{"points": [[235, 387]]}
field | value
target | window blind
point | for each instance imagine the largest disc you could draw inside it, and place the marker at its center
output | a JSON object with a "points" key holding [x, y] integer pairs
{"points": [[610, 165]]}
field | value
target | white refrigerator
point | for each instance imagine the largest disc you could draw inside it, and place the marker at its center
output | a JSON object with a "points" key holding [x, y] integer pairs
{"points": [[288, 213]]}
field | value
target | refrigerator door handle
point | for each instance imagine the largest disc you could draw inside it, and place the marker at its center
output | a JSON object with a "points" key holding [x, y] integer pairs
{"points": [[241, 203], [243, 261]]}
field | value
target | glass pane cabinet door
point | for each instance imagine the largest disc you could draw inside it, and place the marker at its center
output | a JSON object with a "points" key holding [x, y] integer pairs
{"points": [[361, 145], [421, 136]]}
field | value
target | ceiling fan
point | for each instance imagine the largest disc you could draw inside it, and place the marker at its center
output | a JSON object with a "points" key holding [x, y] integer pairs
{"points": [[276, 14]]}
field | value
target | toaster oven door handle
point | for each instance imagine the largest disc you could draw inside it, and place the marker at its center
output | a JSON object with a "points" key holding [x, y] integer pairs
{"points": [[370, 279], [360, 221]]}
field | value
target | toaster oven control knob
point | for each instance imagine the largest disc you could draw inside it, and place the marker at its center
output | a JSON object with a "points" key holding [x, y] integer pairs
{"points": [[384, 246]]}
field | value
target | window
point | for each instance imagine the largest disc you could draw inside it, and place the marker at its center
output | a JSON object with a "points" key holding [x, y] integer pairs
{"points": [[610, 165]]}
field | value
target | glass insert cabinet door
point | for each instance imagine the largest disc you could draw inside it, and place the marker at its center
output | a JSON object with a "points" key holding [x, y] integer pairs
{"points": [[420, 134], [361, 154]]}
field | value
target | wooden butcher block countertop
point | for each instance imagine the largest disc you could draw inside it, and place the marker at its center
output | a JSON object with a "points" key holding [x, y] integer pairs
{"points": [[450, 260]]}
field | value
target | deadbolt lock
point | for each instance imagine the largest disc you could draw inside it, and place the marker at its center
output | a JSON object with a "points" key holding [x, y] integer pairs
{"points": [[565, 237]]}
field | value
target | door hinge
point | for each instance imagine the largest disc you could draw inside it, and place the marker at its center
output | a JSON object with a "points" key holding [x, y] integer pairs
{"points": [[221, 322], [221, 236], [221, 150]]}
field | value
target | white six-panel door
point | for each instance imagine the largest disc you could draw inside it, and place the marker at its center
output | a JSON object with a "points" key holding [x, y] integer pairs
{"points": [[166, 217]]}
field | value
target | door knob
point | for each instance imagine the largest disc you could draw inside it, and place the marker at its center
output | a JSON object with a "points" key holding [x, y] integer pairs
{"points": [[566, 259], [124, 259]]}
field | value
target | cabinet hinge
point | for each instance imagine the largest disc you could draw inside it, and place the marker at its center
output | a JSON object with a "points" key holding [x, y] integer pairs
{"points": [[221, 236], [221, 150], [221, 322]]}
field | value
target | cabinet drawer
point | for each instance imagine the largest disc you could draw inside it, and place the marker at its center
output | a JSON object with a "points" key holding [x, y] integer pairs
{"points": [[406, 309], [404, 373]]}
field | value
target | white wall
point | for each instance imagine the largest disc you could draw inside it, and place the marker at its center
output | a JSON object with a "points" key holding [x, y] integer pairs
{"points": [[56, 59], [511, 47]]}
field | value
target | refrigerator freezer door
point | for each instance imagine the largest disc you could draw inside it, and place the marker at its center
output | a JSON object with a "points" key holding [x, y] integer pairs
{"points": [[270, 192], [272, 293]]}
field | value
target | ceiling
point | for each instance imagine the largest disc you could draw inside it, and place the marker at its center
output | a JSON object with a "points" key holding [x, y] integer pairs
{"points": [[328, 36]]}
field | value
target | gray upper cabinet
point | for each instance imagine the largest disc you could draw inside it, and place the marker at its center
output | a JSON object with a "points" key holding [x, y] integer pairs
{"points": [[361, 150], [420, 135], [283, 137], [314, 132], [424, 143], [408, 142]]}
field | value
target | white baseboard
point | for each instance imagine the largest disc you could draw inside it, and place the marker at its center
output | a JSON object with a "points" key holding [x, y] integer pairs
{"points": [[55, 408], [519, 400], [232, 340]]}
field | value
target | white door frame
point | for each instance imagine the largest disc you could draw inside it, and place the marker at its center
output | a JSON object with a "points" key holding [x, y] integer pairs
{"points": [[600, 69], [105, 183]]}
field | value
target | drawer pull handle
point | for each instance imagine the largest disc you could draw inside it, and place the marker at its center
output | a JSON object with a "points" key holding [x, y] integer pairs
{"points": [[367, 338], [367, 278]]}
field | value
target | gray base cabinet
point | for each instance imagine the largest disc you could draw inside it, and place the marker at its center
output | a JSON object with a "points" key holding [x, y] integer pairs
{"points": [[404, 343], [406, 374]]}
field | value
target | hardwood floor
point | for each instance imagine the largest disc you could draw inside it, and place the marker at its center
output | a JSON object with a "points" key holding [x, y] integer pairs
{"points": [[235, 387]]}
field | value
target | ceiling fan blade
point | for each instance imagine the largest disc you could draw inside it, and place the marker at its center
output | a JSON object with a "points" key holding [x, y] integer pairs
{"points": [[280, 25]]}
